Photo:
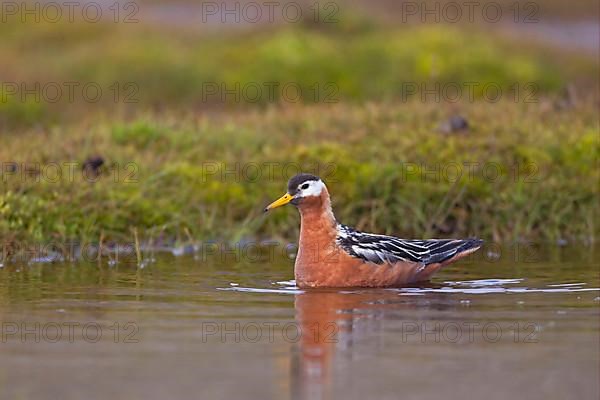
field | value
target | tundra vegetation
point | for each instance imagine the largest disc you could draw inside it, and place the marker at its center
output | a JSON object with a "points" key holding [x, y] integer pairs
{"points": [[418, 130]]}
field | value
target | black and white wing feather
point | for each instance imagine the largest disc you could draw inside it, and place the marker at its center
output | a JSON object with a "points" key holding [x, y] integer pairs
{"points": [[381, 249]]}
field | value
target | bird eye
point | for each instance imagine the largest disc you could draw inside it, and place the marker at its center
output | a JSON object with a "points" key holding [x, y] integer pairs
{"points": [[305, 186]]}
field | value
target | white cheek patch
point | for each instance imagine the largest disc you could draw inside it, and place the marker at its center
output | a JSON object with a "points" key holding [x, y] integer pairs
{"points": [[314, 189]]}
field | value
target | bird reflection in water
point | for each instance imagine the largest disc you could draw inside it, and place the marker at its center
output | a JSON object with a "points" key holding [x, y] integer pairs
{"points": [[330, 323]]}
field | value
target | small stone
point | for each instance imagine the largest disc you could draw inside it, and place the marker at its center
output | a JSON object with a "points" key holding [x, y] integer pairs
{"points": [[92, 165], [454, 124]]}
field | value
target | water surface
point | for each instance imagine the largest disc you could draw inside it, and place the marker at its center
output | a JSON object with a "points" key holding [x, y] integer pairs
{"points": [[190, 327]]}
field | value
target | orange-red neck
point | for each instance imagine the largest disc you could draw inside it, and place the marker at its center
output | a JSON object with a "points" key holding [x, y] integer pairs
{"points": [[318, 233], [316, 214]]}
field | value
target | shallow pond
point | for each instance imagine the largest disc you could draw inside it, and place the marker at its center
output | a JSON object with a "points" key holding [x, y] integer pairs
{"points": [[525, 325]]}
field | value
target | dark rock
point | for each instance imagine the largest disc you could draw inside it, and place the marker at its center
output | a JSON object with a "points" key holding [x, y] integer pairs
{"points": [[93, 164], [454, 124]]}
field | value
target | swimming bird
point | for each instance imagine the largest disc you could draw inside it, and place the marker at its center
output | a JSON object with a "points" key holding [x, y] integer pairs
{"points": [[334, 255]]}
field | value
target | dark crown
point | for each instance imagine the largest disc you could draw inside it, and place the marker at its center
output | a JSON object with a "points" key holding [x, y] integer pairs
{"points": [[299, 179]]}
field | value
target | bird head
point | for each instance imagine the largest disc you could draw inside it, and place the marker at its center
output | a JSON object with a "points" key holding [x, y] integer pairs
{"points": [[301, 188]]}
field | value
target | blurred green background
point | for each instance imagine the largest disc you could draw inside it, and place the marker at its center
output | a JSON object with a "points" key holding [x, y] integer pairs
{"points": [[161, 98]]}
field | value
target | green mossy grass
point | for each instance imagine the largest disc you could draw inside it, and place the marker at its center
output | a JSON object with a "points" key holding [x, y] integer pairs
{"points": [[528, 172]]}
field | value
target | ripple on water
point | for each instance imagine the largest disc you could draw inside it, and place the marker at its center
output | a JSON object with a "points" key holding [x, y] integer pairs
{"points": [[485, 282], [484, 286], [286, 287], [479, 286]]}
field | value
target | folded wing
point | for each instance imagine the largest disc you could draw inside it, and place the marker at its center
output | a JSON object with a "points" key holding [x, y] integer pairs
{"points": [[381, 249]]}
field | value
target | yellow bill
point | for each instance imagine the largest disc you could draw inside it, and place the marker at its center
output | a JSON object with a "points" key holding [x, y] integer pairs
{"points": [[282, 201]]}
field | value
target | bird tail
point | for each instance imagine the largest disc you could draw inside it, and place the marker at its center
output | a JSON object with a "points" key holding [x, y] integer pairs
{"points": [[452, 250], [470, 245]]}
